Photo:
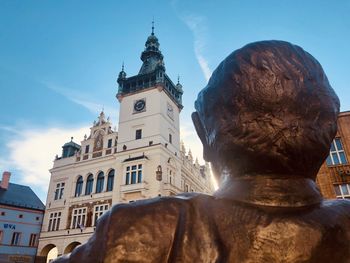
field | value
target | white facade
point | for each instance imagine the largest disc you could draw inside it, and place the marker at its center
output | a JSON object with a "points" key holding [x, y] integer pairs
{"points": [[179, 172], [145, 157]]}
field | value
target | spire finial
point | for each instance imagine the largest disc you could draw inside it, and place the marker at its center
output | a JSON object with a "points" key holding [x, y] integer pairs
{"points": [[153, 26], [178, 79], [123, 66]]}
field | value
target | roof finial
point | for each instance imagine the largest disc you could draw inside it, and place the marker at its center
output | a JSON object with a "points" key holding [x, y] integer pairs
{"points": [[153, 26], [178, 79], [71, 138], [123, 66]]}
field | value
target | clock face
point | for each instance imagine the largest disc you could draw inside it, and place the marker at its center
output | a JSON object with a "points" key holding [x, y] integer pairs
{"points": [[170, 111], [139, 105]]}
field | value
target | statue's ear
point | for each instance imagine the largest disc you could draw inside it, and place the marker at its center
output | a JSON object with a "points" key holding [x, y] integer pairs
{"points": [[202, 135]]}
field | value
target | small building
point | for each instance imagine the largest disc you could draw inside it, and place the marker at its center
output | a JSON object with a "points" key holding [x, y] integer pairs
{"points": [[334, 176], [21, 216]]}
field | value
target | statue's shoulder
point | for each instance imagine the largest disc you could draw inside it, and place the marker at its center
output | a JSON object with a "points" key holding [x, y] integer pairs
{"points": [[161, 206], [149, 229]]}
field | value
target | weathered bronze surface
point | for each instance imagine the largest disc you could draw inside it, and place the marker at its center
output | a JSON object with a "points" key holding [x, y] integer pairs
{"points": [[266, 120]]}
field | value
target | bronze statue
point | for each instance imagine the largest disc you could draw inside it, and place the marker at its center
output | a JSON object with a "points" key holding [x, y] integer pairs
{"points": [[266, 120]]}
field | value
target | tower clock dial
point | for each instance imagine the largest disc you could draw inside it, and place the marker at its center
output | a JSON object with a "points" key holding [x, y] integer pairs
{"points": [[170, 111], [139, 105]]}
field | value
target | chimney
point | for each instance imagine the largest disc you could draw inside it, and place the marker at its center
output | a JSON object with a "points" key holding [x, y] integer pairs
{"points": [[5, 180]]}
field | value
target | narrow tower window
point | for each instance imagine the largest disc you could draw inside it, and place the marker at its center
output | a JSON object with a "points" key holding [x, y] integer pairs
{"points": [[138, 134]]}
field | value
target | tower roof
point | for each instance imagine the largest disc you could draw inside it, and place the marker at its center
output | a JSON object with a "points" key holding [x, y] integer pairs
{"points": [[151, 74], [152, 56]]}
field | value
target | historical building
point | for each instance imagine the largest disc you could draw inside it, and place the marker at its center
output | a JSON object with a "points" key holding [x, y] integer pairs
{"points": [[334, 175], [144, 159], [21, 215]]}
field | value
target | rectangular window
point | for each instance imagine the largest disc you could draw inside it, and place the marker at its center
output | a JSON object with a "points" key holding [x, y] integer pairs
{"points": [[59, 191], [342, 191], [16, 237], [109, 143], [336, 154], [87, 148], [99, 210], [138, 134], [79, 218], [133, 174], [54, 221], [170, 138], [32, 240]]}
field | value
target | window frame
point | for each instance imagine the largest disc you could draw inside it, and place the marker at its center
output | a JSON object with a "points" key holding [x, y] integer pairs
{"points": [[18, 239], [54, 221], [89, 184], [80, 217], [98, 212], [133, 174], [341, 194], [334, 151], [138, 134], [100, 181], [33, 238], [79, 186], [110, 180], [58, 195]]}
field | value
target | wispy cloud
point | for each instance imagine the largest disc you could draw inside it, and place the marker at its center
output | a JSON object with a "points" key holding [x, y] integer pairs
{"points": [[32, 151], [198, 27], [92, 106]]}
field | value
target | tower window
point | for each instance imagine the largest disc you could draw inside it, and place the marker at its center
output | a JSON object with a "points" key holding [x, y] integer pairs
{"points": [[87, 148], [138, 134], [336, 154], [170, 138]]}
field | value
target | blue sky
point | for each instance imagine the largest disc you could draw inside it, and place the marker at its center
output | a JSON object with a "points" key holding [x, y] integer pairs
{"points": [[59, 61]]}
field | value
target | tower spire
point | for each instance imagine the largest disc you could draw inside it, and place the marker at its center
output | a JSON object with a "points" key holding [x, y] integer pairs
{"points": [[152, 27]]}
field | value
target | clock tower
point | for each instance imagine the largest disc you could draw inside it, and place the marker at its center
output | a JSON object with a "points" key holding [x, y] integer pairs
{"points": [[150, 104]]}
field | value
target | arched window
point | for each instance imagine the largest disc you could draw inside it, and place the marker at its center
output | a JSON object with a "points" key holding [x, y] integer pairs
{"points": [[100, 181], [89, 183], [110, 180], [79, 186]]}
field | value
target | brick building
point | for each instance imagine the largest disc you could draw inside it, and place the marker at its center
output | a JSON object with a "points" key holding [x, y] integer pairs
{"points": [[334, 175]]}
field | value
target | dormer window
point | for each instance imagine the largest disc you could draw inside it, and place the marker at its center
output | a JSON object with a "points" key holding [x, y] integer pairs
{"points": [[87, 148]]}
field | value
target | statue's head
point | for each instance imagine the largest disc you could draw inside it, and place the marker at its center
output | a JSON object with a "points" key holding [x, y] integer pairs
{"points": [[267, 109]]}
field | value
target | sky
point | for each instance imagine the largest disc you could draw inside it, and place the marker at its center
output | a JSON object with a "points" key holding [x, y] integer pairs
{"points": [[59, 61]]}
